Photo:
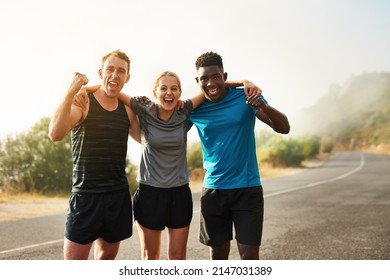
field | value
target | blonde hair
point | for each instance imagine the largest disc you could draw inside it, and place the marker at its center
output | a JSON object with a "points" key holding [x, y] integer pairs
{"points": [[165, 74]]}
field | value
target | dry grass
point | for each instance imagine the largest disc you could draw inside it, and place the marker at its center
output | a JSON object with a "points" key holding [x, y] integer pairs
{"points": [[15, 206], [11, 197], [269, 171], [23, 206]]}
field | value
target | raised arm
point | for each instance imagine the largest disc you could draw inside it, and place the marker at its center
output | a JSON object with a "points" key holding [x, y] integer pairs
{"points": [[67, 115]]}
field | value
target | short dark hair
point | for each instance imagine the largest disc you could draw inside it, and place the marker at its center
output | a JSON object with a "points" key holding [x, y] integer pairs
{"points": [[209, 59]]}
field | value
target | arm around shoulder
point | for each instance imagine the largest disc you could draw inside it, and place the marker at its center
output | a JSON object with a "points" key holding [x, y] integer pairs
{"points": [[135, 130], [197, 100], [124, 98]]}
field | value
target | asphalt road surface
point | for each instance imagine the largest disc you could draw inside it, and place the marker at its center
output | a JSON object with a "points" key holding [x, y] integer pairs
{"points": [[339, 211]]}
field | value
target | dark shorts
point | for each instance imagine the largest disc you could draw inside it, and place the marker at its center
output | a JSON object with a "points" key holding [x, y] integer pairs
{"points": [[157, 208], [221, 209], [105, 215]]}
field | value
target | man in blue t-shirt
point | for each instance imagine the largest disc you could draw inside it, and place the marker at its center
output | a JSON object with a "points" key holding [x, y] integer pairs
{"points": [[232, 191]]}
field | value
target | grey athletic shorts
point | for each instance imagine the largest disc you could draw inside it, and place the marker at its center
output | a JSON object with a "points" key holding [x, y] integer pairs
{"points": [[221, 209], [157, 208], [104, 215]]}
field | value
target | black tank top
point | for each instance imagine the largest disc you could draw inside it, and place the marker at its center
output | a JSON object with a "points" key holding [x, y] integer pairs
{"points": [[99, 148]]}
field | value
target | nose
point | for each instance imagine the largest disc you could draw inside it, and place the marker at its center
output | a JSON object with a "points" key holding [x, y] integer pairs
{"points": [[210, 82], [115, 73]]}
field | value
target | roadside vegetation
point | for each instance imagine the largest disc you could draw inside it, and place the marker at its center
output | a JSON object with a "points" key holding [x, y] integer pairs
{"points": [[355, 116]]}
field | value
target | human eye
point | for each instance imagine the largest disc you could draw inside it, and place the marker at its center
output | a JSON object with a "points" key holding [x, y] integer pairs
{"points": [[203, 79]]}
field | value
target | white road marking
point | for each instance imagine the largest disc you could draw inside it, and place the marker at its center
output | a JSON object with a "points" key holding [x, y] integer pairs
{"points": [[32, 246], [362, 161]]}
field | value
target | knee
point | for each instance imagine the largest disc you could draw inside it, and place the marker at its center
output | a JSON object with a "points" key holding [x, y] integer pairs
{"points": [[248, 252], [106, 255], [177, 255], [220, 252]]}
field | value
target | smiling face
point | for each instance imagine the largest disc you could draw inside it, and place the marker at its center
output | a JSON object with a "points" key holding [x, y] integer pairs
{"points": [[167, 90], [114, 75], [212, 81]]}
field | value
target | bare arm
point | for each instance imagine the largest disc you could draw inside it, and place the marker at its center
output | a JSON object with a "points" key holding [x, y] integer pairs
{"points": [[267, 114], [274, 118], [124, 98], [67, 115], [197, 100], [250, 89], [135, 131]]}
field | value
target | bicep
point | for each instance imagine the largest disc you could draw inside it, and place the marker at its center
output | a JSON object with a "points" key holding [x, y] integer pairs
{"points": [[77, 115]]}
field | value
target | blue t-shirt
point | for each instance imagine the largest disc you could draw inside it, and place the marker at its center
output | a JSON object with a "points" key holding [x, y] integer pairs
{"points": [[226, 131]]}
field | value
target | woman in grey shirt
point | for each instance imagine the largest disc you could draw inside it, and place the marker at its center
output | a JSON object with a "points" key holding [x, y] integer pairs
{"points": [[163, 198]]}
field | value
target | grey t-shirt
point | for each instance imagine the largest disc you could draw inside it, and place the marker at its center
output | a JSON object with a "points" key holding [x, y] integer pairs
{"points": [[164, 146]]}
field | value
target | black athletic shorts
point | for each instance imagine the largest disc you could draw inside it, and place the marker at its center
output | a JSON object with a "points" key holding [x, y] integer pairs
{"points": [[221, 209], [104, 215], [157, 208]]}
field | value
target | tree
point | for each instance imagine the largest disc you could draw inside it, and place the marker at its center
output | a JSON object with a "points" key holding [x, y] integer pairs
{"points": [[30, 162]]}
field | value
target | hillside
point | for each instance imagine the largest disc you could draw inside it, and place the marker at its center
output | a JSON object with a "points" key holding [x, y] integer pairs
{"points": [[356, 114]]}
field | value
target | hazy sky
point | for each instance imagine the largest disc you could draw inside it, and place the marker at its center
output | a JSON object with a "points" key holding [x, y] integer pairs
{"points": [[293, 49]]}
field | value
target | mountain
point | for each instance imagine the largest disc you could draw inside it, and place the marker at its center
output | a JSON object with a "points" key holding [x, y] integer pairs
{"points": [[356, 114]]}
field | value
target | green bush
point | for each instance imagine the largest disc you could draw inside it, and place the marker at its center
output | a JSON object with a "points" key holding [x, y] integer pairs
{"points": [[280, 151], [30, 162], [327, 145], [194, 156], [311, 145]]}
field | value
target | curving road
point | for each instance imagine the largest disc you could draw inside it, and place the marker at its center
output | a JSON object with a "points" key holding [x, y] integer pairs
{"points": [[338, 211]]}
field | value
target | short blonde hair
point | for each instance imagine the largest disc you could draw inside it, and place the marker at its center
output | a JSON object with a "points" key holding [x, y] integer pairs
{"points": [[118, 54]]}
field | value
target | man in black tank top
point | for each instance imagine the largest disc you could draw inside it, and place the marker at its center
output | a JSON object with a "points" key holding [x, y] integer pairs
{"points": [[100, 207]]}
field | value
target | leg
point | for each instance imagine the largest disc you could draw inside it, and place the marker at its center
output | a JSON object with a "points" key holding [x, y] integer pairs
{"points": [[105, 250], [248, 217], [150, 241], [177, 243], [220, 252], [248, 252], [76, 251]]}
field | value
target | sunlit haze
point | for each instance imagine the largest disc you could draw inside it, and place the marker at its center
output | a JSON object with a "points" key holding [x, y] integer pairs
{"points": [[293, 50]]}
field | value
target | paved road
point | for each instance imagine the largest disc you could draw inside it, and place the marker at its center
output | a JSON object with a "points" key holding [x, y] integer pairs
{"points": [[338, 211]]}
